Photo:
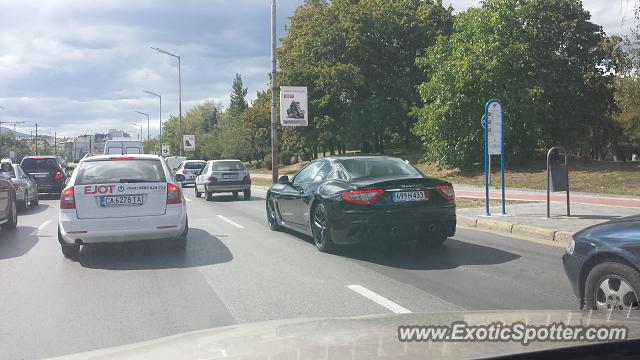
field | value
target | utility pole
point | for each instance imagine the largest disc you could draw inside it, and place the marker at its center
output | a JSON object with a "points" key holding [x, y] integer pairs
{"points": [[274, 129], [36, 138], [179, 92], [55, 143]]}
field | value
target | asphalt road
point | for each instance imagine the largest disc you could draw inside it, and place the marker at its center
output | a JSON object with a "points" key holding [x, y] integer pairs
{"points": [[235, 270]]}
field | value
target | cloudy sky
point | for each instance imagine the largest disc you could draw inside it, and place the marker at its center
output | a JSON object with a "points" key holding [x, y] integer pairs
{"points": [[80, 66]]}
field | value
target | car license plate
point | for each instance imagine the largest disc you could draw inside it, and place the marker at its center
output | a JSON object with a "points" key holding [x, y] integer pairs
{"points": [[121, 200], [229, 176], [405, 196], [41, 175]]}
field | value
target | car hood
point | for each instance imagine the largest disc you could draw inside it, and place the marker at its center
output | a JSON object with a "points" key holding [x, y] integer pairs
{"points": [[357, 337], [613, 231]]}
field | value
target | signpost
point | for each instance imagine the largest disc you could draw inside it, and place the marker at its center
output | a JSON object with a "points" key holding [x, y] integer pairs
{"points": [[189, 142], [166, 150], [493, 121], [294, 109]]}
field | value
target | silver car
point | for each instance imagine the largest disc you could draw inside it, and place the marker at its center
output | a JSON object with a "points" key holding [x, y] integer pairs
{"points": [[26, 187], [223, 176]]}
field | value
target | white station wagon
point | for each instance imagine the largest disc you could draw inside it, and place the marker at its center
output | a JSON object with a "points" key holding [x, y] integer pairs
{"points": [[121, 198]]}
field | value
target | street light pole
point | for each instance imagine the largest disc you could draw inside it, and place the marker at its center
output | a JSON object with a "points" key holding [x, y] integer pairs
{"points": [[274, 129], [160, 116], [179, 92], [148, 123], [139, 135]]}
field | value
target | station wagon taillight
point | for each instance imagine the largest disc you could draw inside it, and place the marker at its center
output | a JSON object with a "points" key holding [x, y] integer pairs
{"points": [[212, 179], [67, 199], [247, 179], [446, 191], [362, 197], [58, 175], [173, 194]]}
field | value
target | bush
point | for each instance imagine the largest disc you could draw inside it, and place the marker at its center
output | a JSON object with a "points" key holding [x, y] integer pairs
{"points": [[258, 164], [268, 163], [284, 158]]}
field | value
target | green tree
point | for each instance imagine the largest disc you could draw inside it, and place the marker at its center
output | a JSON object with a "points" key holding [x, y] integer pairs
{"points": [[357, 60], [536, 56], [256, 123], [628, 90], [170, 134], [238, 102]]}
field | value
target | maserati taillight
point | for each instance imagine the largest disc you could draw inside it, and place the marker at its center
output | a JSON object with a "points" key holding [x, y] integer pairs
{"points": [[362, 197]]}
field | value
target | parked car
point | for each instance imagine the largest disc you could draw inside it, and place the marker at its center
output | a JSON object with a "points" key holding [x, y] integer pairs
{"points": [[26, 187], [348, 200], [48, 171], [121, 198], [188, 171], [602, 263], [223, 176], [8, 206], [123, 146]]}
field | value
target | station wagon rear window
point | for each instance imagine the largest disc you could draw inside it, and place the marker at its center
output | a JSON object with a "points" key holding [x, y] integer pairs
{"points": [[194, 165], [120, 171], [228, 166]]}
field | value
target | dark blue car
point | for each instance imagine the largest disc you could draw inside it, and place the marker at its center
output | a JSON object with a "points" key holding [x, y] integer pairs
{"points": [[603, 262]]}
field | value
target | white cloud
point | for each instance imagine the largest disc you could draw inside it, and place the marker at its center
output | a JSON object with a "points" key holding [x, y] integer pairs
{"points": [[80, 66]]}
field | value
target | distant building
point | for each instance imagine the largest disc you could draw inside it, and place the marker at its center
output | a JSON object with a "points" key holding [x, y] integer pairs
{"points": [[114, 133], [76, 148]]}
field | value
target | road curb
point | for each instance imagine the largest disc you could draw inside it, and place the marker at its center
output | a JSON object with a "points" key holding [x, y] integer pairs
{"points": [[534, 233]]}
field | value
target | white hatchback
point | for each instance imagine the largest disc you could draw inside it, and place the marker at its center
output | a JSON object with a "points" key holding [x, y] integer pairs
{"points": [[121, 198]]}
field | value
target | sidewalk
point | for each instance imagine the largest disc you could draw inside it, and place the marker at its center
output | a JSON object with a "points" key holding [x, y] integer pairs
{"points": [[478, 192], [530, 220]]}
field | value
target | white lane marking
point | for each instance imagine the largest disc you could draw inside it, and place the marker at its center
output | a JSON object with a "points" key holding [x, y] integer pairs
{"points": [[379, 299], [44, 225], [231, 222]]}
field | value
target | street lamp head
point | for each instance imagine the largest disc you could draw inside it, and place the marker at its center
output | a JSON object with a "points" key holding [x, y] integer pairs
{"points": [[151, 93], [141, 113], [164, 51], [1, 107]]}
